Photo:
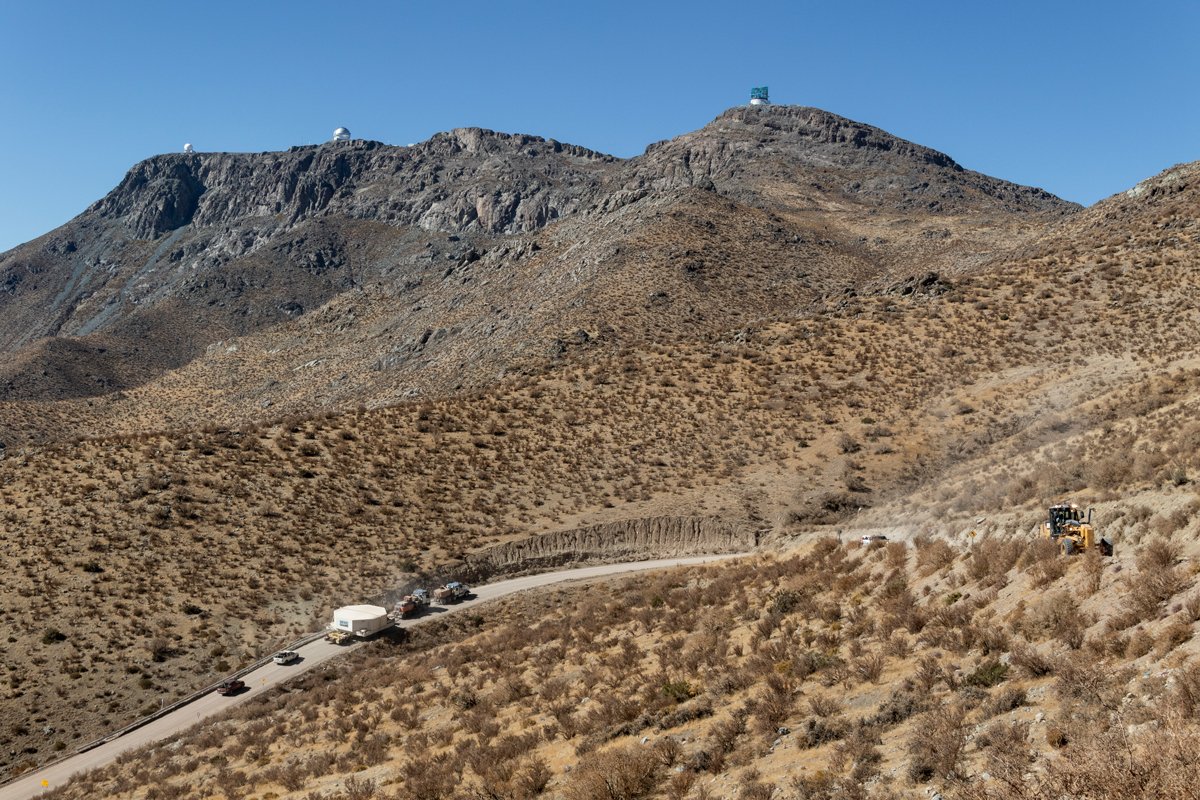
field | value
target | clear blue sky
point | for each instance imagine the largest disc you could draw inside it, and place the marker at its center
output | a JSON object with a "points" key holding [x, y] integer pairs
{"points": [[1081, 98]]}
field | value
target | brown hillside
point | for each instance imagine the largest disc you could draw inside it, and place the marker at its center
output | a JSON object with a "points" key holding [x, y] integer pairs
{"points": [[690, 351]]}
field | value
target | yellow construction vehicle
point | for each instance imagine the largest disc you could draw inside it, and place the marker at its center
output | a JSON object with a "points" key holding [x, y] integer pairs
{"points": [[1074, 533]]}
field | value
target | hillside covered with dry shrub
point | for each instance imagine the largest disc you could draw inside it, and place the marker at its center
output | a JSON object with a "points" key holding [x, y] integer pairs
{"points": [[833, 671], [727, 341]]}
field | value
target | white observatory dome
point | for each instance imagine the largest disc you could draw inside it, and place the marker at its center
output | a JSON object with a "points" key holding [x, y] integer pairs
{"points": [[187, 148], [341, 135]]}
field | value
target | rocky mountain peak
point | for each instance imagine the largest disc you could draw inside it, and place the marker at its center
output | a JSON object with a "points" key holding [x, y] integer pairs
{"points": [[436, 185], [815, 127], [811, 158]]}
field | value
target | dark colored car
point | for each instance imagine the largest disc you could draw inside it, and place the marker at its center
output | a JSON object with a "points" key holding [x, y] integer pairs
{"points": [[230, 687]]}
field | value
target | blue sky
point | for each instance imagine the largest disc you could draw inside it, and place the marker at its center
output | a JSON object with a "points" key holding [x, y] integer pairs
{"points": [[1083, 99]]}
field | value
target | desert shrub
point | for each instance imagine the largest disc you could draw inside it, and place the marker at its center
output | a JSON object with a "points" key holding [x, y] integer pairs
{"points": [[1060, 617], [860, 752], [1060, 478], [1167, 524], [1153, 585], [680, 784], [699, 708], [823, 705], [1191, 607], [785, 601], [992, 558], [1110, 472], [896, 554], [771, 710], [1002, 701], [754, 789], [994, 640], [678, 691], [726, 733], [1047, 571], [1185, 695], [355, 788], [1097, 684], [1157, 554], [900, 706], [1172, 636], [667, 750], [1033, 661], [1138, 644], [988, 674], [929, 673], [898, 645], [53, 635], [936, 744], [847, 444], [435, 778], [1151, 764], [1056, 737], [508, 776], [933, 554], [1037, 552], [1008, 757], [1093, 569], [617, 774], [870, 667], [826, 509], [816, 731]]}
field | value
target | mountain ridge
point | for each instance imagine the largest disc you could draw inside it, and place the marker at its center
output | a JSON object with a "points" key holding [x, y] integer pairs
{"points": [[193, 249]]}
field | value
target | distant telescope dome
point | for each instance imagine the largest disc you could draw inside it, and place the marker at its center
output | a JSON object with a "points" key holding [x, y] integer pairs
{"points": [[341, 135], [187, 148]]}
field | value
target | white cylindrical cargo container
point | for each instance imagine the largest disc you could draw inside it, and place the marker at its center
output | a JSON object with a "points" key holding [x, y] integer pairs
{"points": [[361, 620]]}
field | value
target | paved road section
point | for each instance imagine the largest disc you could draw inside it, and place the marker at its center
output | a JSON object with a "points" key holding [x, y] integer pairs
{"points": [[271, 674]]}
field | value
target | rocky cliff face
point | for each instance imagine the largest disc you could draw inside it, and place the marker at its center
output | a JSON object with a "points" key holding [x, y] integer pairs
{"points": [[467, 180]]}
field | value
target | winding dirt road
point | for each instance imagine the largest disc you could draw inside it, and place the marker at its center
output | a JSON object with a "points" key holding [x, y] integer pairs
{"points": [[269, 675]]}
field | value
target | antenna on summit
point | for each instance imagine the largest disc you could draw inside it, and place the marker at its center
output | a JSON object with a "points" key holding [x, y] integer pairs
{"points": [[759, 97], [341, 135], [187, 148]]}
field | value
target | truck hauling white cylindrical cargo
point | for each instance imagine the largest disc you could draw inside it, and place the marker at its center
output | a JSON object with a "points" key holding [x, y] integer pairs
{"points": [[358, 621]]}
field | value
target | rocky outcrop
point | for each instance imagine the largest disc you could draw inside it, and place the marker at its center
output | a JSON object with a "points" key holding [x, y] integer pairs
{"points": [[464, 180]]}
